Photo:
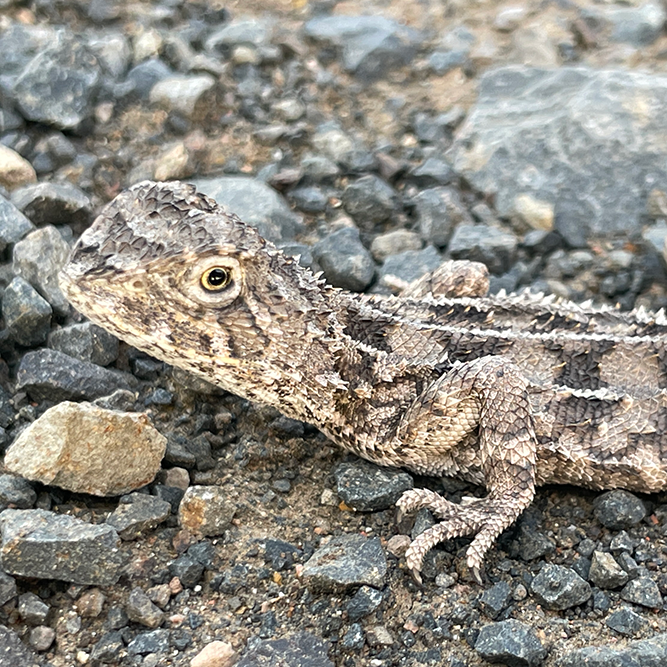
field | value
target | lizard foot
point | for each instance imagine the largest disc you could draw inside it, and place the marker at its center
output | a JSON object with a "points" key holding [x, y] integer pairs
{"points": [[485, 518]]}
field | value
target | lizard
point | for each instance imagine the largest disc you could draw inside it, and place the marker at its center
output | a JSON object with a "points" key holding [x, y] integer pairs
{"points": [[508, 391]]}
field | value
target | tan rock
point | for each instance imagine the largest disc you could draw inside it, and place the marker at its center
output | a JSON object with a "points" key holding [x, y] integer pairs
{"points": [[215, 654], [15, 170], [206, 510], [534, 213], [174, 163], [87, 449]]}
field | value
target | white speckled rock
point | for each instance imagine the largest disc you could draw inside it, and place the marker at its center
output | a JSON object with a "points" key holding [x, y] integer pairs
{"points": [[87, 449]]}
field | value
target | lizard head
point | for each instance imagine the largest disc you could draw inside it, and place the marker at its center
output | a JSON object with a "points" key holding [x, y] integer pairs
{"points": [[169, 271]]}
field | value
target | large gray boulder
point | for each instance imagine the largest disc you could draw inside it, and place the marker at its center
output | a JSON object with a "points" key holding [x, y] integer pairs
{"points": [[590, 143]]}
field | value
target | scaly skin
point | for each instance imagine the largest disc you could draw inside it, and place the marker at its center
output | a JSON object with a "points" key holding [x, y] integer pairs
{"points": [[509, 391]]}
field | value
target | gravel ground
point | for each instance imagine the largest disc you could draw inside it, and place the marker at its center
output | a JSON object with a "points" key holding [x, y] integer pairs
{"points": [[372, 139]]}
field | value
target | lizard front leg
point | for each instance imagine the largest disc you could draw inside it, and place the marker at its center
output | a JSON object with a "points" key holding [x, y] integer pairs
{"points": [[476, 416]]}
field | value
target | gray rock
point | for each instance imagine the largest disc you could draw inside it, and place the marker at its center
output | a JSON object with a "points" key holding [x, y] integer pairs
{"points": [[280, 555], [16, 492], [370, 201], [301, 648], [643, 591], [44, 545], [20, 43], [345, 261], [319, 168], [253, 32], [512, 643], [334, 143], [32, 609], [478, 243], [439, 210], [639, 26], [366, 487], [108, 649], [112, 50], [13, 224], [605, 572], [404, 267], [188, 570], [14, 652], [38, 258], [433, 172], [393, 243], [647, 653], [86, 449], [442, 62], [139, 513], [558, 587], [619, 509], [255, 203], [346, 562], [86, 342], [364, 602], [309, 199], [7, 592], [625, 621], [181, 93], [622, 542], [354, 639], [371, 46], [156, 641], [142, 77], [10, 120], [494, 600], [140, 609], [58, 86], [531, 544], [572, 140], [27, 315], [51, 375], [54, 204], [42, 637], [206, 510]]}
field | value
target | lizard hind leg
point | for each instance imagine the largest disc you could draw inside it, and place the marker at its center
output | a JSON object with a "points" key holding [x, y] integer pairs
{"points": [[505, 449]]}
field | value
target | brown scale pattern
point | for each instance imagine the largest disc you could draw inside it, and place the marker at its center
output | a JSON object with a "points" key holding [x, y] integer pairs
{"points": [[507, 391]]}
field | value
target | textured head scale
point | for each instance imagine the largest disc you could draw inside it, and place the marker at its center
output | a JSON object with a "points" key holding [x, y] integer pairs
{"points": [[152, 221]]}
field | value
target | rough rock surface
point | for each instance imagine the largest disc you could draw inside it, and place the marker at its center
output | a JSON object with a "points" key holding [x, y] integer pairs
{"points": [[84, 448], [570, 135]]}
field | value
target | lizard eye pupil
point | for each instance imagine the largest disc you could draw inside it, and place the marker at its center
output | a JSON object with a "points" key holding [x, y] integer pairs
{"points": [[215, 279]]}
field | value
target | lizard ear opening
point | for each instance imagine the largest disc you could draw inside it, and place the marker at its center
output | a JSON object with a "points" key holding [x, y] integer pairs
{"points": [[213, 281]]}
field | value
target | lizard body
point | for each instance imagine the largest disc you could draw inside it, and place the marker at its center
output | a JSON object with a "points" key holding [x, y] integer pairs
{"points": [[508, 392]]}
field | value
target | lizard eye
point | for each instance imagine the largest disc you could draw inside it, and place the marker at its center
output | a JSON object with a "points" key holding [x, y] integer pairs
{"points": [[216, 278]]}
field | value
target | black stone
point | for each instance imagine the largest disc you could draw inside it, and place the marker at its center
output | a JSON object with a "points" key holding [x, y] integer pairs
{"points": [[280, 554], [345, 562], [27, 315], [510, 642], [364, 602], [366, 487], [558, 587], [494, 600], [187, 570], [54, 376], [301, 648], [54, 204], [619, 509], [626, 621], [344, 259], [16, 492]]}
